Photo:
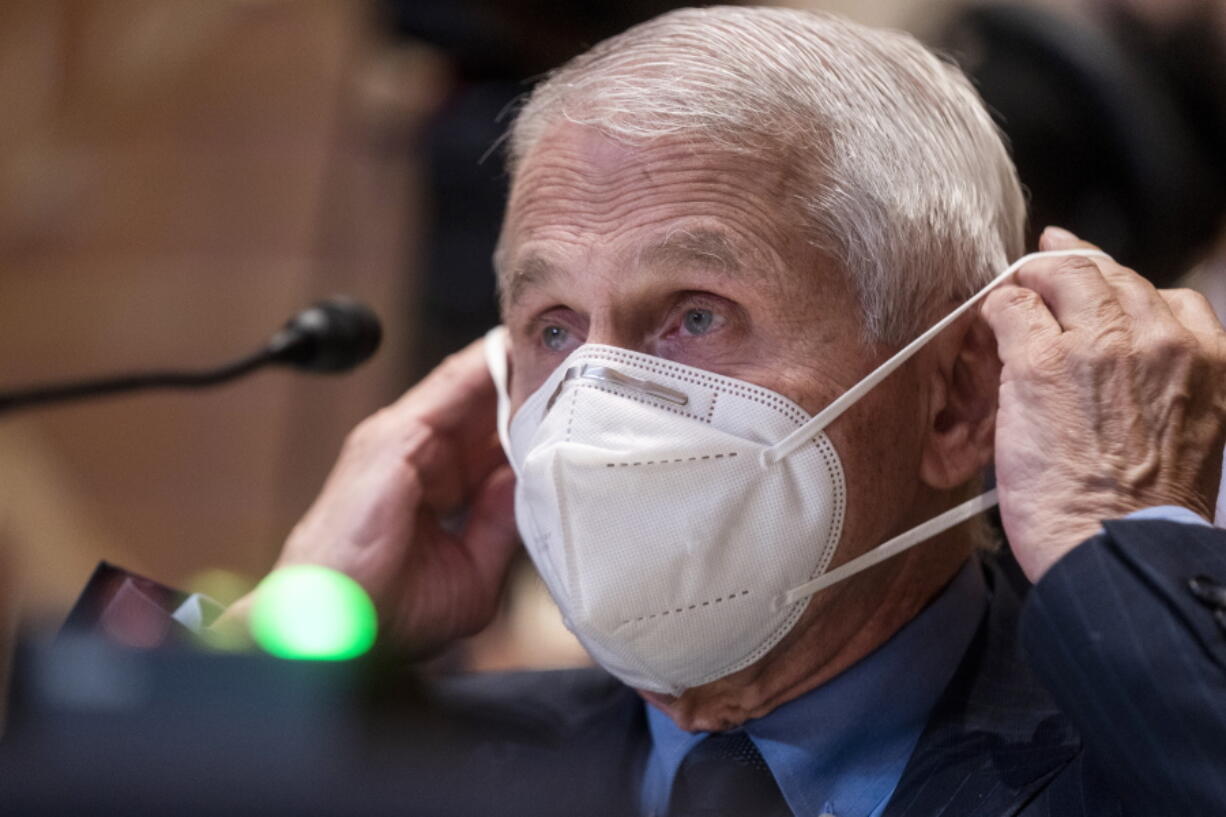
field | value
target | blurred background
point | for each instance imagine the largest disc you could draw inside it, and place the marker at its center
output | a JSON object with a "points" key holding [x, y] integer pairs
{"points": [[178, 177]]}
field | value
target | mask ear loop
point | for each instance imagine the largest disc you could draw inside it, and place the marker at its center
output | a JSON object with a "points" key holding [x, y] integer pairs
{"points": [[832, 412], [496, 362], [940, 523], [892, 547]]}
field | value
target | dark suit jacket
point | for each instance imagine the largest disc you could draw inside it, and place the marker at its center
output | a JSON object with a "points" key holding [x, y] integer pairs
{"points": [[1102, 693]]}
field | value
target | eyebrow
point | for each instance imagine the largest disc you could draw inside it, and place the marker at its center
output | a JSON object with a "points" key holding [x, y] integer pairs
{"points": [[528, 272], [712, 249]]}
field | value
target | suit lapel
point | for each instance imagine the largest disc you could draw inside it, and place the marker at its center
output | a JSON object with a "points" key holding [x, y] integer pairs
{"points": [[995, 739], [570, 742]]}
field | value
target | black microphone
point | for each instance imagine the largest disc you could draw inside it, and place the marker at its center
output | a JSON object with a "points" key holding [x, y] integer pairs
{"points": [[331, 337]]}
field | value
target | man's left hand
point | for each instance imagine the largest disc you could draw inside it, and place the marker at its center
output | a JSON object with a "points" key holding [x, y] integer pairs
{"points": [[1112, 399]]}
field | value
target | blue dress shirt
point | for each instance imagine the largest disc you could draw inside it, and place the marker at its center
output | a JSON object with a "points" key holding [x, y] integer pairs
{"points": [[1170, 513], [841, 748]]}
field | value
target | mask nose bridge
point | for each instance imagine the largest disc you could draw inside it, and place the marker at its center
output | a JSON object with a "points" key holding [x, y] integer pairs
{"points": [[608, 374]]}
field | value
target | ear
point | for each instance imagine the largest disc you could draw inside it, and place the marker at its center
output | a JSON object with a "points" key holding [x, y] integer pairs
{"points": [[962, 409]]}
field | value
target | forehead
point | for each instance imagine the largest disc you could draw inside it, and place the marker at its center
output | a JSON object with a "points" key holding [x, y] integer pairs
{"points": [[583, 166], [578, 189]]}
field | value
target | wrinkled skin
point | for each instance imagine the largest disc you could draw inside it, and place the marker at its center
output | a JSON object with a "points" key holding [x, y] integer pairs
{"points": [[1112, 399], [687, 254], [692, 254]]}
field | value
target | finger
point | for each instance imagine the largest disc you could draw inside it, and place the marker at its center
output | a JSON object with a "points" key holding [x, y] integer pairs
{"points": [[1075, 291], [1057, 238], [455, 407], [1019, 319], [490, 536], [483, 458], [1193, 310], [451, 469], [459, 391], [1137, 297]]}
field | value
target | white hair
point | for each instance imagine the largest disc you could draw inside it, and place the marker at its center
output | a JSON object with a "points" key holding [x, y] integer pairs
{"points": [[908, 185]]}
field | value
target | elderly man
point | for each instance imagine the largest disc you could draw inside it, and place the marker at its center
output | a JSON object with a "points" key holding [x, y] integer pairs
{"points": [[721, 221]]}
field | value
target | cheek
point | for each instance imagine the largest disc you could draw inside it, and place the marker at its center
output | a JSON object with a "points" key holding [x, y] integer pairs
{"points": [[880, 442]]}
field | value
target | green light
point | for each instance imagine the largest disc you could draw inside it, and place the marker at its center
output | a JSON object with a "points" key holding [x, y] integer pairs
{"points": [[311, 612]]}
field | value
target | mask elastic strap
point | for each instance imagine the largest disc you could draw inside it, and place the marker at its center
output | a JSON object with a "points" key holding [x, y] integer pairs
{"points": [[496, 361], [828, 415], [892, 547]]}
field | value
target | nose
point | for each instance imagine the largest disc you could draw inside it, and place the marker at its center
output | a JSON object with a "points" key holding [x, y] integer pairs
{"points": [[607, 329]]}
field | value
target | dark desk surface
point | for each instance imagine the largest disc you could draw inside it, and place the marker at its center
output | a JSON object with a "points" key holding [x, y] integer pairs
{"points": [[101, 730]]}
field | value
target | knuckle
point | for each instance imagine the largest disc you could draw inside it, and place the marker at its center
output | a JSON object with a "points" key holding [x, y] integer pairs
{"points": [[366, 430], [452, 366], [1108, 314], [380, 429], [1047, 359], [1115, 342], [1110, 343], [360, 440], [1054, 272], [1175, 343], [1117, 273], [411, 437], [1075, 265], [1037, 273], [1011, 299], [1190, 299], [412, 482]]}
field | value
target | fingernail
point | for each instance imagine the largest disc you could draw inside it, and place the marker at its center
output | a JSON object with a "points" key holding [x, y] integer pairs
{"points": [[1057, 238]]}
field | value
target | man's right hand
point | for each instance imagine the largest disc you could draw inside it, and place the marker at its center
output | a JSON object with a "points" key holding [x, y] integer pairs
{"points": [[387, 515]]}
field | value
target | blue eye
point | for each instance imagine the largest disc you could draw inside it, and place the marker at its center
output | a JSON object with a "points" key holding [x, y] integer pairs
{"points": [[698, 321], [554, 338]]}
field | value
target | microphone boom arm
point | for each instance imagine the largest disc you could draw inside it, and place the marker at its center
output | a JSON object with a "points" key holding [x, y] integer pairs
{"points": [[330, 337], [117, 384]]}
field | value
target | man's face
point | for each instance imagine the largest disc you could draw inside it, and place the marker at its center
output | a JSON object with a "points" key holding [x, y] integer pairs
{"points": [[697, 255], [681, 252]]}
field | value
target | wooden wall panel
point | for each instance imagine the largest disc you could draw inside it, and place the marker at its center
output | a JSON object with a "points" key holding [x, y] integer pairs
{"points": [[176, 179]]}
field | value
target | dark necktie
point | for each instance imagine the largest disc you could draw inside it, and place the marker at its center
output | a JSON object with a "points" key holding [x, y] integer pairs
{"points": [[725, 776]]}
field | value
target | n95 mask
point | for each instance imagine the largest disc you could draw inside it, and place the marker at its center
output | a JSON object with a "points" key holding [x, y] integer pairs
{"points": [[681, 519]]}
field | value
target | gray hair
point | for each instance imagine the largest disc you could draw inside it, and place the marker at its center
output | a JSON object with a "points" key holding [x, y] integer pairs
{"points": [[908, 184]]}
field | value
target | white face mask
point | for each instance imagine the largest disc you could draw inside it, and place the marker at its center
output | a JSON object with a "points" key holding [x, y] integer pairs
{"points": [[681, 519]]}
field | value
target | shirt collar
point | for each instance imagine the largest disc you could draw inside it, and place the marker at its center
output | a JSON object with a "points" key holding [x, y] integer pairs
{"points": [[841, 748]]}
